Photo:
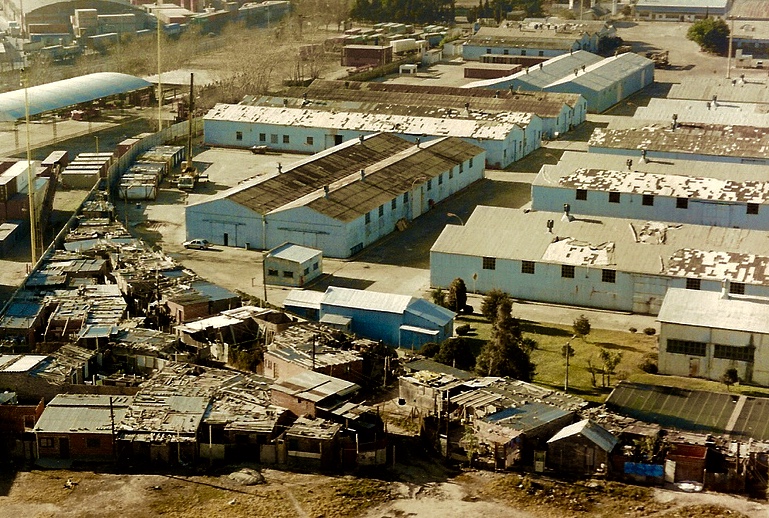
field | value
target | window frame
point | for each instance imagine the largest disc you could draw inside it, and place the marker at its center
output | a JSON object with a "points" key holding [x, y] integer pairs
{"points": [[489, 263], [581, 195], [568, 271], [693, 284], [647, 200], [609, 276], [686, 347], [682, 203], [614, 197], [528, 267], [737, 288]]}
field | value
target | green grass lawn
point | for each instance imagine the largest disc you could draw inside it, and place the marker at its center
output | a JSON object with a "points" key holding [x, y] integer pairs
{"points": [[551, 365], [635, 347]]}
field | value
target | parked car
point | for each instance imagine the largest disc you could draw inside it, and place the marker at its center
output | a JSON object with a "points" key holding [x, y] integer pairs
{"points": [[200, 244]]}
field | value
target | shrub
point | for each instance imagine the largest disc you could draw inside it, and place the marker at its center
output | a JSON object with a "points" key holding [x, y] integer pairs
{"points": [[463, 329], [633, 330], [649, 366], [429, 349], [650, 331]]}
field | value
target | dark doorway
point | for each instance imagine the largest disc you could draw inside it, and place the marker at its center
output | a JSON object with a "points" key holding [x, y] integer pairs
{"points": [[226, 239], [64, 447], [337, 139]]}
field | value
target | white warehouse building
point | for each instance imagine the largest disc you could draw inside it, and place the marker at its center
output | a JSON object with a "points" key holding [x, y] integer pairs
{"points": [[627, 186], [341, 200], [608, 263], [308, 130], [702, 334]]}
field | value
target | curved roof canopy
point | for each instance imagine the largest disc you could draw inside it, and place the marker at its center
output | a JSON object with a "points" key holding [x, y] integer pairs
{"points": [[69, 92]]}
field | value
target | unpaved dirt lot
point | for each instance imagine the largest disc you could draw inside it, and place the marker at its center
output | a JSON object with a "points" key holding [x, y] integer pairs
{"points": [[422, 489]]}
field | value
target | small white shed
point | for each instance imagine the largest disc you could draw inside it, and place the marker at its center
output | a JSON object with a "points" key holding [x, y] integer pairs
{"points": [[292, 265]]}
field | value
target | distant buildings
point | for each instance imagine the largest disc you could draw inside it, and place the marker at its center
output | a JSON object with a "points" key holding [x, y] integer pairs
{"points": [[341, 200], [603, 82], [680, 10], [631, 186]]}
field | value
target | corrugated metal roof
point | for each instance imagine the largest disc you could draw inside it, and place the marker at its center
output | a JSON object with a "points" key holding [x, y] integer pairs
{"points": [[572, 161], [314, 386], [551, 71], [667, 185], [603, 74], [705, 88], [709, 309], [368, 300], [434, 100], [438, 368], [68, 92], [703, 112], [82, 413], [701, 139], [430, 312], [304, 299], [293, 252], [596, 433], [25, 363], [687, 4], [527, 416], [369, 122], [749, 10], [653, 248]]}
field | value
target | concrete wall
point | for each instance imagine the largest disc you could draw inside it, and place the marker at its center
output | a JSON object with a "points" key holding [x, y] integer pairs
{"points": [[472, 51], [76, 446], [699, 212], [298, 278], [374, 325], [709, 366]]}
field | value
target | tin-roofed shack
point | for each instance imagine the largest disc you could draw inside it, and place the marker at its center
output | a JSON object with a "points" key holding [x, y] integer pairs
{"points": [[311, 347], [584, 447], [312, 393], [312, 441]]}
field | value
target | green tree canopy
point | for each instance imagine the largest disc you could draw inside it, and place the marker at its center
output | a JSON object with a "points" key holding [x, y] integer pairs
{"points": [[491, 302], [456, 299], [710, 34], [507, 353]]}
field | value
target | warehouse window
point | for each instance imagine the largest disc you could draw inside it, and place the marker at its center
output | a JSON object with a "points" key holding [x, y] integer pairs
{"points": [[470, 163], [286, 139], [429, 184], [440, 179], [648, 200], [682, 203], [541, 53], [93, 442], [287, 274], [46, 442], [738, 288], [315, 265], [381, 211], [567, 271], [307, 271], [693, 284], [272, 272], [527, 267], [608, 276], [461, 167], [394, 204], [238, 135], [752, 208], [581, 194], [523, 52], [273, 139], [506, 52], [488, 51], [734, 352], [310, 141], [613, 197], [686, 347], [489, 263], [262, 137], [357, 248], [451, 173], [368, 218], [405, 198]]}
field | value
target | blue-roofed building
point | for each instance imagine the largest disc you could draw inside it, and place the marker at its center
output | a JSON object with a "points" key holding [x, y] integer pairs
{"points": [[68, 92], [292, 265], [397, 320], [515, 432]]}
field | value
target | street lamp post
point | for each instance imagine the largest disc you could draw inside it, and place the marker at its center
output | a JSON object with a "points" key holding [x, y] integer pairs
{"points": [[452, 215]]}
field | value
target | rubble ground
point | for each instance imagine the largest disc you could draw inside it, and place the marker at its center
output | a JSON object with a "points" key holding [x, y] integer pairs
{"points": [[417, 489]]}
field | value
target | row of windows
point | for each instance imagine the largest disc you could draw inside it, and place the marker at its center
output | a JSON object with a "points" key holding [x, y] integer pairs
{"points": [[686, 347], [567, 270], [648, 200], [90, 442], [288, 274], [506, 52], [736, 288], [734, 352]]}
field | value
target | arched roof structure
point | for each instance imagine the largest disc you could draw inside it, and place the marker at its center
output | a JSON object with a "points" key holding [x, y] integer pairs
{"points": [[68, 92]]}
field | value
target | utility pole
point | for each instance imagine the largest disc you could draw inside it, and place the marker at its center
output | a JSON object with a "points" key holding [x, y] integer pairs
{"points": [[30, 177], [729, 56]]}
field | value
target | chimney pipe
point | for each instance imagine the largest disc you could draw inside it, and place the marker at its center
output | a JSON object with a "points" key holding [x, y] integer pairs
{"points": [[360, 139], [725, 288], [325, 190], [280, 168], [362, 175], [675, 118], [567, 213]]}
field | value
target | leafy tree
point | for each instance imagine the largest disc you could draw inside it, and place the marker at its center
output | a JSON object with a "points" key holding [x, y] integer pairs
{"points": [[507, 353], [492, 301], [610, 361], [581, 326], [730, 377], [457, 353], [710, 34], [456, 299], [430, 349], [438, 297]]}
